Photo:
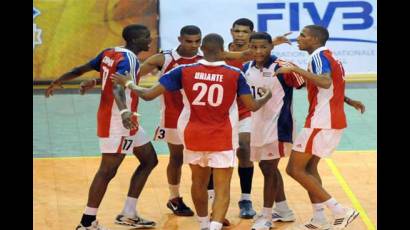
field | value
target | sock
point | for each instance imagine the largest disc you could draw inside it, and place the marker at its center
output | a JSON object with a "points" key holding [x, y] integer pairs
{"points": [[319, 213], [211, 182], [245, 178], [173, 191], [89, 216], [211, 196], [130, 207], [334, 206], [215, 225], [203, 222], [245, 196], [282, 206], [267, 213]]}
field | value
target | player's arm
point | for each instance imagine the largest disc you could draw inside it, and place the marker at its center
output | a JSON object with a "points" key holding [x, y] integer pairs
{"points": [[320, 80], [147, 94], [245, 95], [255, 104], [120, 100], [282, 39], [358, 105], [68, 76], [153, 62]]}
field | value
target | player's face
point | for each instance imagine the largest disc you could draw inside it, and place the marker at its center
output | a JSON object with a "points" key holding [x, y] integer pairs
{"points": [[241, 34], [305, 40], [261, 49], [190, 43], [144, 41]]}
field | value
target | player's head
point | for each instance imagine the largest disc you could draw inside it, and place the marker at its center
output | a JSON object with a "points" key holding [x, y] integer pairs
{"points": [[241, 31], [138, 36], [261, 46], [312, 37], [190, 39], [212, 44]]}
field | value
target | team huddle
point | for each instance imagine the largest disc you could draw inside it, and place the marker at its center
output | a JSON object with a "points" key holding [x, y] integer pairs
{"points": [[219, 109]]}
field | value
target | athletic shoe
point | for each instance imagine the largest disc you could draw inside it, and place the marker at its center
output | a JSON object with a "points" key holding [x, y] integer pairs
{"points": [[134, 221], [341, 221], [179, 208], [310, 225], [94, 226], [245, 209], [262, 223], [287, 216]]}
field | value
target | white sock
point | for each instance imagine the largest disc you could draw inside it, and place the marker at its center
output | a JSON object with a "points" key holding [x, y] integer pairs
{"points": [[334, 206], [282, 206], [203, 222], [267, 213], [211, 196], [319, 213], [245, 196], [130, 207], [90, 211], [173, 191], [215, 225]]}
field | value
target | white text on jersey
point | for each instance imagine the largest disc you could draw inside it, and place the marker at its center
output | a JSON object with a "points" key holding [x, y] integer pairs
{"points": [[209, 76], [108, 61]]}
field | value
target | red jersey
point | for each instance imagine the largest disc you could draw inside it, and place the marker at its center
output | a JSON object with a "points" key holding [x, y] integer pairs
{"points": [[118, 59]]}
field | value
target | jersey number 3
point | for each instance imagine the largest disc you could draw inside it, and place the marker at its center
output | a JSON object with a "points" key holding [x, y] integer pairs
{"points": [[212, 90]]}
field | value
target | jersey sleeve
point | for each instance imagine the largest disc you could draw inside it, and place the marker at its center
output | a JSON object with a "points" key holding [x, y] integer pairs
{"points": [[320, 64], [243, 87], [128, 63], [95, 62], [172, 80]]}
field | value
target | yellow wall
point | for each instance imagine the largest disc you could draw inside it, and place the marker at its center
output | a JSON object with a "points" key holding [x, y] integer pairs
{"points": [[75, 31]]}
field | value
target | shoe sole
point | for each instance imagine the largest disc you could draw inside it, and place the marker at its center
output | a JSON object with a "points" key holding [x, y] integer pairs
{"points": [[247, 217], [180, 214], [135, 226], [283, 220]]}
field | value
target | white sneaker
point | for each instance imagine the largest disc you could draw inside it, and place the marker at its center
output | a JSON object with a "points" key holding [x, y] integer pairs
{"points": [[287, 216], [341, 221], [311, 225], [134, 221], [94, 226], [262, 223]]}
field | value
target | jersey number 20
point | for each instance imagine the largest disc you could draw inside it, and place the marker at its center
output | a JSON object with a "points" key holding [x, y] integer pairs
{"points": [[214, 88]]}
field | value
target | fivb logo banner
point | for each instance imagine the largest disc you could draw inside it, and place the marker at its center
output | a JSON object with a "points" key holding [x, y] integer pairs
{"points": [[352, 25], [36, 31]]}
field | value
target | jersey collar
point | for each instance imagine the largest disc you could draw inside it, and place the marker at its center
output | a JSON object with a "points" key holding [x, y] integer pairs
{"points": [[216, 63], [176, 55]]}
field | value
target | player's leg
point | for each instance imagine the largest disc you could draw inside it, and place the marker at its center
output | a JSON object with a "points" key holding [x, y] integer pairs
{"points": [[200, 179], [144, 151], [175, 202], [319, 143], [269, 170], [281, 210], [222, 183], [245, 171], [107, 170]]}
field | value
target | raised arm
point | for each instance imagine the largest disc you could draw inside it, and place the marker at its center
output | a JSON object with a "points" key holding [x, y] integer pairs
{"points": [[321, 80], [151, 63], [68, 76], [147, 94]]}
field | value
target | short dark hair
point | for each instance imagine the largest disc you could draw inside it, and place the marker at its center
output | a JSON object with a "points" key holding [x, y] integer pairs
{"points": [[190, 30], [213, 42], [320, 32], [133, 31], [243, 22], [261, 35]]}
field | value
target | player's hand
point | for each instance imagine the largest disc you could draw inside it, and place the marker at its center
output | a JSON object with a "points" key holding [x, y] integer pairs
{"points": [[54, 85], [130, 120], [284, 69], [266, 92], [358, 105], [87, 85], [121, 79], [281, 39]]}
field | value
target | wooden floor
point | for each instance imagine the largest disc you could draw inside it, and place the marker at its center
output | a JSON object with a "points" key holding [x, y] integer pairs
{"points": [[61, 188]]}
